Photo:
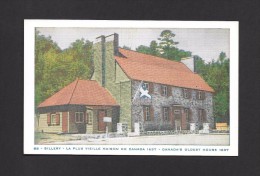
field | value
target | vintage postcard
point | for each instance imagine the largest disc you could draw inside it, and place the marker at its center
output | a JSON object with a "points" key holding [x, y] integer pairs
{"points": [[131, 87]]}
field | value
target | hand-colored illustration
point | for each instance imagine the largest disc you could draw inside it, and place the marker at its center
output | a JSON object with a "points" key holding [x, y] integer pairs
{"points": [[97, 92]]}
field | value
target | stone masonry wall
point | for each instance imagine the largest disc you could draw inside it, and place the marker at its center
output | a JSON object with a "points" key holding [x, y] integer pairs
{"points": [[158, 101]]}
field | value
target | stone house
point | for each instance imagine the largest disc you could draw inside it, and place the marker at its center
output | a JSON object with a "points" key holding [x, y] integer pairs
{"points": [[179, 96]]}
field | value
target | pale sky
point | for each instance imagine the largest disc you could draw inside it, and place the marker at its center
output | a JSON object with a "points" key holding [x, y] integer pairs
{"points": [[207, 43]]}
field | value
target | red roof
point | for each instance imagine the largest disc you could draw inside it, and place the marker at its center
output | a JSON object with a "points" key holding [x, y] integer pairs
{"points": [[81, 92], [150, 68]]}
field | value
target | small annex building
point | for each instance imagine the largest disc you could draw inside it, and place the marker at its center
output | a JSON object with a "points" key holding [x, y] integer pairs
{"points": [[77, 108]]}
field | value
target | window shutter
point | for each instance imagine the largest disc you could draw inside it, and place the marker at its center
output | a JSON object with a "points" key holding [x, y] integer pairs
{"points": [[57, 118], [86, 117], [203, 95], [150, 87], [151, 113], [189, 93], [49, 118], [169, 91], [162, 90], [197, 94], [144, 113]]}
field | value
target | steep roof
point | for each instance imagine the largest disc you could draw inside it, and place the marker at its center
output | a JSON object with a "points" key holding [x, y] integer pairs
{"points": [[150, 68], [81, 92]]}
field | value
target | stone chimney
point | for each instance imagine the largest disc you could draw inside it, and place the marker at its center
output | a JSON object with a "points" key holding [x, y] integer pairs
{"points": [[105, 49], [100, 60], [103, 58], [190, 63], [116, 44]]}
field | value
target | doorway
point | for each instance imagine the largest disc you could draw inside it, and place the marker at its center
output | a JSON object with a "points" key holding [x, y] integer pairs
{"points": [[101, 123], [177, 118]]}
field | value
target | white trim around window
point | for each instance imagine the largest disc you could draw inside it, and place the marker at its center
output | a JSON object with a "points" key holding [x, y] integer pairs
{"points": [[53, 119], [79, 117]]}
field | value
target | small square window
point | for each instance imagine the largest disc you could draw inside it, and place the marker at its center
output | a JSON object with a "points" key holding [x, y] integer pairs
{"points": [[79, 117]]}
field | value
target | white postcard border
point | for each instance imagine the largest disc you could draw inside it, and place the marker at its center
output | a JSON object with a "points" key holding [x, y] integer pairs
{"points": [[31, 148]]}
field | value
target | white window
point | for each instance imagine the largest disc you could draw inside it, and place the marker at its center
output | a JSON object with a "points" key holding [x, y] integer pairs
{"points": [[79, 117], [146, 86], [186, 93], [166, 113], [53, 119], [147, 113], [199, 95], [165, 90]]}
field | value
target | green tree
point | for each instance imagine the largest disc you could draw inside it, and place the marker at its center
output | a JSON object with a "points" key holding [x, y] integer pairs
{"points": [[143, 49], [45, 50], [81, 52], [166, 48], [55, 68], [154, 48], [216, 74], [127, 47]]}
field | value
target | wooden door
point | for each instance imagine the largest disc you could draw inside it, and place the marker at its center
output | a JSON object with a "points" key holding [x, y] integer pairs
{"points": [[101, 123], [177, 117], [65, 122]]}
